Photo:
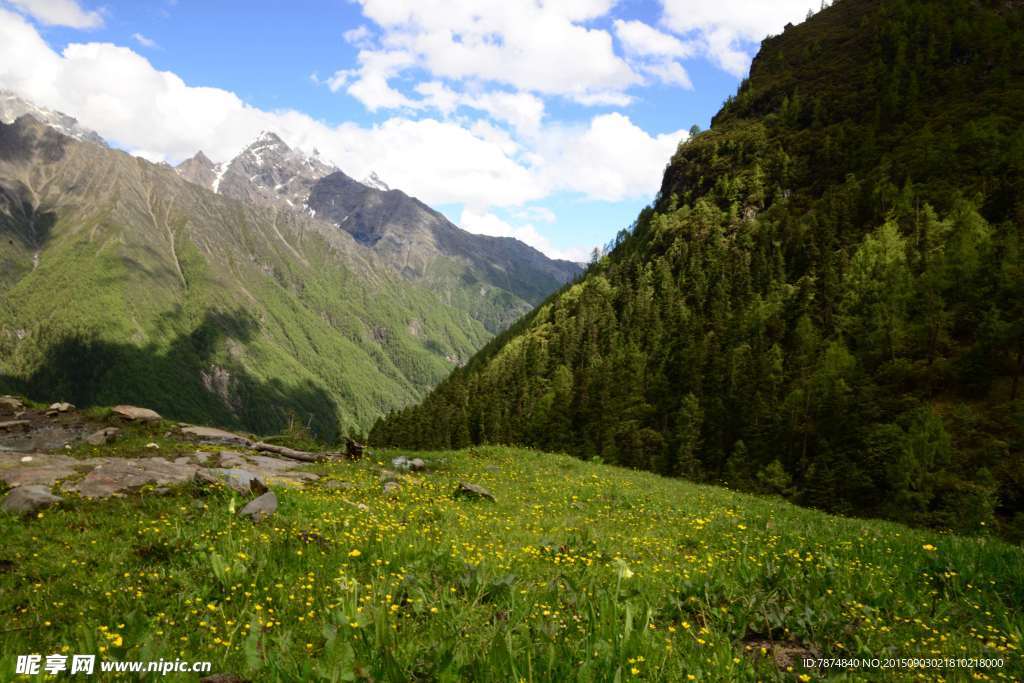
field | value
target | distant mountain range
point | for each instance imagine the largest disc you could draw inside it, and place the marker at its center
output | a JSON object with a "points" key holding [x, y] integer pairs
{"points": [[497, 279], [268, 291]]}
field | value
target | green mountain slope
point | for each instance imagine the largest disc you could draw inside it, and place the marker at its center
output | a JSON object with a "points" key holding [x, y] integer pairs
{"points": [[826, 300], [122, 282]]}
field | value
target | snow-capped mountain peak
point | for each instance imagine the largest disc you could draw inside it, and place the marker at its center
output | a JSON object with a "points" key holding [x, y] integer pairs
{"points": [[373, 180], [267, 171], [13, 107]]}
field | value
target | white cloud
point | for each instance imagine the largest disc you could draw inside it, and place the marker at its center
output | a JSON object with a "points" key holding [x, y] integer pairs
{"points": [[486, 223], [539, 47], [655, 53], [611, 159], [144, 41], [338, 80], [118, 93], [669, 72], [640, 39], [730, 29], [360, 36], [60, 13], [372, 86], [522, 111], [468, 160], [540, 214], [27, 64]]}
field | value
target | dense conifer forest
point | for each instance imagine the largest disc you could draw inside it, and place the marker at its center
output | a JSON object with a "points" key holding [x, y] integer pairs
{"points": [[825, 302]]}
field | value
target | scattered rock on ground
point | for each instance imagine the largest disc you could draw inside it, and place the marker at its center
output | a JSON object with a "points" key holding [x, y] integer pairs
{"points": [[232, 459], [42, 436], [62, 407], [273, 464], [136, 414], [218, 436], [239, 480], [118, 475], [405, 464], [103, 436], [336, 485], [260, 508], [19, 469], [27, 500], [15, 426], [392, 488], [10, 405], [468, 490], [388, 475]]}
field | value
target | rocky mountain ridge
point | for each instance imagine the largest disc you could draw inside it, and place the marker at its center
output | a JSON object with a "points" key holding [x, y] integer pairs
{"points": [[267, 172], [12, 106], [497, 279]]}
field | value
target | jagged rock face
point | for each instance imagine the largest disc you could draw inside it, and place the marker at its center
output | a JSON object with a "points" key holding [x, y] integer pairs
{"points": [[495, 279], [421, 243], [370, 214], [373, 180], [12, 107], [199, 170], [267, 172]]}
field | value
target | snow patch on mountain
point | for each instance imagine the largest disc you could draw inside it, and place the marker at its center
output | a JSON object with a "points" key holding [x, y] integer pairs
{"points": [[373, 180], [12, 107]]}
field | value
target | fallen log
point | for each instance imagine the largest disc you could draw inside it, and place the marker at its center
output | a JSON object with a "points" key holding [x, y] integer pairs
{"points": [[291, 453]]}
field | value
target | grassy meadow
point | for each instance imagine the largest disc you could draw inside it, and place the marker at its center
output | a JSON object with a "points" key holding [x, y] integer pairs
{"points": [[579, 571]]}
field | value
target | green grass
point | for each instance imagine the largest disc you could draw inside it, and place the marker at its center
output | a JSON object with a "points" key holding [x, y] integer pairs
{"points": [[579, 572]]}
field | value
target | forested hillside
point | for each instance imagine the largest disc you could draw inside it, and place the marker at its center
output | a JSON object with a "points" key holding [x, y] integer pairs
{"points": [[826, 301]]}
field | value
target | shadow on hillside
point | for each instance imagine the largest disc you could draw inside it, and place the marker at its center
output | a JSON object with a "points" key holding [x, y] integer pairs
{"points": [[30, 227], [183, 380]]}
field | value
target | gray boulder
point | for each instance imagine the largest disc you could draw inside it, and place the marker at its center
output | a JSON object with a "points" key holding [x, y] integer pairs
{"points": [[404, 464], [260, 508], [18, 469], [27, 500], [10, 405], [467, 490], [218, 436], [238, 480], [120, 475], [136, 414], [103, 436], [232, 459], [15, 426]]}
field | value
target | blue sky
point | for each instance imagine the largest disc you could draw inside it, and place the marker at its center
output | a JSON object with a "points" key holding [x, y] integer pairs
{"points": [[549, 121]]}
